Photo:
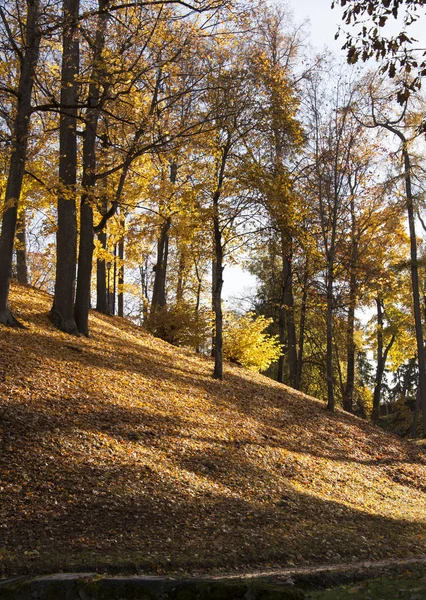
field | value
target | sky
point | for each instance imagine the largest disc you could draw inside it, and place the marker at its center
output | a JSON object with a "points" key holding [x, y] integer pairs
{"points": [[323, 22]]}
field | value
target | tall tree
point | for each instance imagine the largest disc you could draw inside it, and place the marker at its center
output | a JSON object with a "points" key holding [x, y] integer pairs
{"points": [[382, 115], [27, 54], [335, 136], [62, 312], [92, 114]]}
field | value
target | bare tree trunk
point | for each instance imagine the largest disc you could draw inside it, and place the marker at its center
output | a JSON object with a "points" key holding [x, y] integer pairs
{"points": [[159, 299], [62, 312], [121, 269], [217, 271], [283, 341], [382, 355], [329, 327], [287, 330], [114, 281], [380, 366], [415, 416], [101, 283], [21, 250], [159, 289], [302, 323], [421, 357], [28, 63], [86, 246], [415, 285], [180, 277], [144, 289], [291, 330], [350, 331], [217, 293]]}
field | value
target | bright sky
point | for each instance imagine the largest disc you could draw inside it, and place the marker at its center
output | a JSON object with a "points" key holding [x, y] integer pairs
{"points": [[323, 22]]}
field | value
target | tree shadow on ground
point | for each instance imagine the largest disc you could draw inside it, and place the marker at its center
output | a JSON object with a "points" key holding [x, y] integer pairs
{"points": [[81, 481]]}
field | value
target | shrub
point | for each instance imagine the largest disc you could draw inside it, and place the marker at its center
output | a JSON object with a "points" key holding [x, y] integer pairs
{"points": [[180, 325], [246, 343]]}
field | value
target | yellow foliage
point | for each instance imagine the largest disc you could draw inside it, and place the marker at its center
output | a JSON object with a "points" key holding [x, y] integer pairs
{"points": [[246, 343], [180, 325]]}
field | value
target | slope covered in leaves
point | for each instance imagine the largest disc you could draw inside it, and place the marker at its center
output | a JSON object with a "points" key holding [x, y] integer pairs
{"points": [[121, 450]]}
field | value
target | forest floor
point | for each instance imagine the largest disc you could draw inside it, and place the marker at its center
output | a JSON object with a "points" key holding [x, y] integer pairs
{"points": [[120, 453]]}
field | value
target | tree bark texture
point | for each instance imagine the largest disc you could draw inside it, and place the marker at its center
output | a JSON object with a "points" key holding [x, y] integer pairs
{"points": [[217, 271], [28, 63], [415, 285], [102, 304], [180, 277], [421, 356]]}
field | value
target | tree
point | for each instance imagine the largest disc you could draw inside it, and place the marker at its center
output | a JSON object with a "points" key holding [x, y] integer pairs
{"points": [[27, 54], [271, 162], [380, 107], [335, 138], [62, 312]]}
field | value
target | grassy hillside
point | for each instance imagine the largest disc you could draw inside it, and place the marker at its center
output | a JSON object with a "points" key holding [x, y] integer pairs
{"points": [[120, 449]]}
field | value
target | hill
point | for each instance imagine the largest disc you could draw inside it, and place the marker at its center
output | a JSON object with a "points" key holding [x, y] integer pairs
{"points": [[121, 450]]}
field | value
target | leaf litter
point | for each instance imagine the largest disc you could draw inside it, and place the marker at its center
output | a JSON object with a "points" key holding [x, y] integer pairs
{"points": [[120, 452]]}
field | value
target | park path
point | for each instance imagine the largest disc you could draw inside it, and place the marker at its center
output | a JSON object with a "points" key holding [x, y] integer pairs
{"points": [[342, 570]]}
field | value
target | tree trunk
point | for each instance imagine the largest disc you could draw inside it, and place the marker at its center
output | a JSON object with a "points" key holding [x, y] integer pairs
{"points": [[415, 285], [287, 330], [415, 416], [350, 331], [21, 124], [303, 308], [381, 360], [86, 246], [121, 269], [283, 341], [289, 307], [144, 289], [62, 312], [159, 290], [101, 281], [329, 351], [380, 365], [217, 293], [102, 301], [114, 281], [21, 250], [421, 357], [180, 277]]}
